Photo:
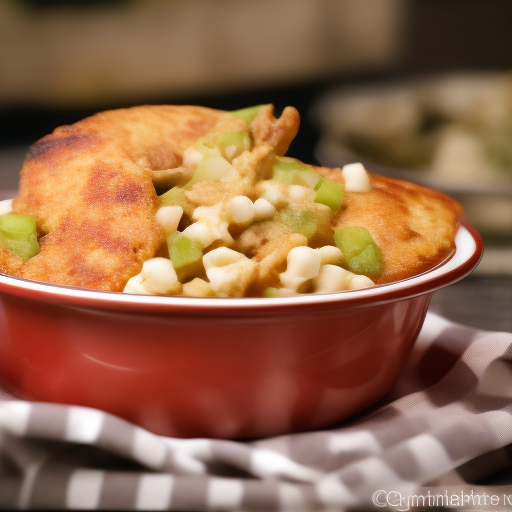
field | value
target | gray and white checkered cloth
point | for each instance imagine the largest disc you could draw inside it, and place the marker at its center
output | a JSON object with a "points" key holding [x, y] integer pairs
{"points": [[446, 425]]}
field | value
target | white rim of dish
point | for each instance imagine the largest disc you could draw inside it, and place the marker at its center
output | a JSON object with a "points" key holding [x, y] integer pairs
{"points": [[466, 248]]}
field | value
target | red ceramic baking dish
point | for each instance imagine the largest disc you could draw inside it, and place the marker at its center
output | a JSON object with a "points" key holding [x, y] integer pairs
{"points": [[224, 368]]}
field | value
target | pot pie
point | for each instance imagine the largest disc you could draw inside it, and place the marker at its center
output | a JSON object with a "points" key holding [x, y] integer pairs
{"points": [[191, 201]]}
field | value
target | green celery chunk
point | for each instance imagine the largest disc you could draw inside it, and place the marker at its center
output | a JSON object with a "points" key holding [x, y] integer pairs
{"points": [[290, 171], [289, 164], [361, 253], [184, 251], [206, 148], [369, 262], [174, 197], [329, 193], [233, 144], [25, 249], [270, 292], [284, 177], [211, 169], [17, 227], [303, 222], [247, 114], [18, 234], [352, 240]]}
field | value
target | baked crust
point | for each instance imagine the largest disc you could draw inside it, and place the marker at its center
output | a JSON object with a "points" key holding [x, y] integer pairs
{"points": [[10, 263], [89, 185], [413, 226]]}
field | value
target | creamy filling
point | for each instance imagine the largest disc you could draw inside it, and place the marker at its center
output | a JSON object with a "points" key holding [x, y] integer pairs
{"points": [[218, 225]]}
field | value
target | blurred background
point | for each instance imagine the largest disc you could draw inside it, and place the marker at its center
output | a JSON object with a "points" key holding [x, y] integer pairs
{"points": [[419, 89]]}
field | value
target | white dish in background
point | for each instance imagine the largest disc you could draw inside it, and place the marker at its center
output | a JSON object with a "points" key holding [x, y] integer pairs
{"points": [[452, 156]]}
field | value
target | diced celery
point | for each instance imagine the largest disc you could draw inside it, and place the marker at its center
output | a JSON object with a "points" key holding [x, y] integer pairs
{"points": [[211, 169], [352, 240], [18, 234], [247, 114], [283, 176], [285, 163], [270, 292], [232, 144], [307, 177], [184, 251], [174, 197], [330, 193], [294, 172], [369, 262], [25, 249], [17, 227], [207, 149], [303, 222], [361, 253]]}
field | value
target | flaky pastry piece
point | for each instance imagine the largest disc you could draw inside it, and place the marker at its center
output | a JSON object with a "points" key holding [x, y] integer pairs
{"points": [[89, 186]]}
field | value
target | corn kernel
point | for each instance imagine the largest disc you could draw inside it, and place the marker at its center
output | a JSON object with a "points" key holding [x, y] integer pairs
{"points": [[273, 192], [240, 210], [134, 285], [302, 264], [356, 178], [197, 288], [169, 217], [200, 232], [159, 277], [263, 209], [359, 281]]}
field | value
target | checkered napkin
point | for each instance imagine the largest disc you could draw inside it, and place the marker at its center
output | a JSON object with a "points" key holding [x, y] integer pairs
{"points": [[444, 426]]}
